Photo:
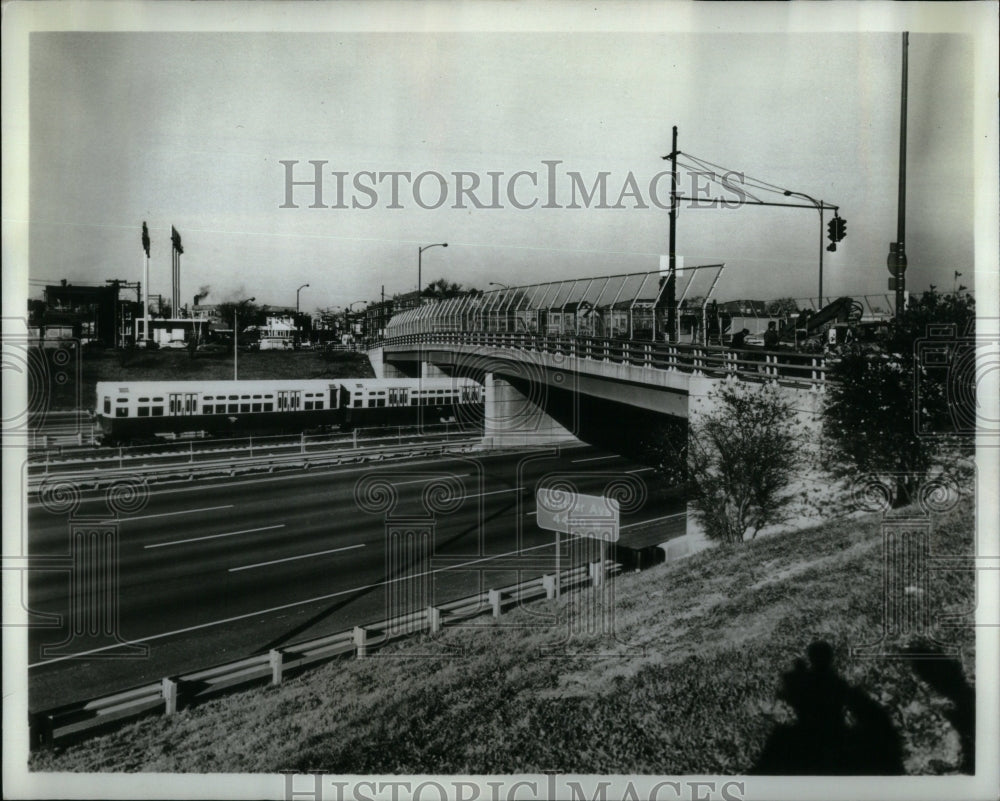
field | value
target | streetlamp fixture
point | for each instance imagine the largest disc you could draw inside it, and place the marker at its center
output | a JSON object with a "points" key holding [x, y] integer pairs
{"points": [[502, 286], [420, 280], [297, 297], [236, 336], [820, 207]]}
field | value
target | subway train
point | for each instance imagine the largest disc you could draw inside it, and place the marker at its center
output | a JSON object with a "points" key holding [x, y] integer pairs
{"points": [[135, 411]]}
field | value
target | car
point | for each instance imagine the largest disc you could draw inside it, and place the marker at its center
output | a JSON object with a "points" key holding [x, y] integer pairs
{"points": [[175, 344], [213, 347]]}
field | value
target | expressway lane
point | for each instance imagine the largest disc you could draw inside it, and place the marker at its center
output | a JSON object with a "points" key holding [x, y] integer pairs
{"points": [[214, 571]]}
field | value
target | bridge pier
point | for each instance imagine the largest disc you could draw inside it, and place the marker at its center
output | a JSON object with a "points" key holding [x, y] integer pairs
{"points": [[512, 420]]}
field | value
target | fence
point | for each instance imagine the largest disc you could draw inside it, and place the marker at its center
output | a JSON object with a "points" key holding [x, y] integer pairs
{"points": [[94, 478], [785, 366], [173, 692]]}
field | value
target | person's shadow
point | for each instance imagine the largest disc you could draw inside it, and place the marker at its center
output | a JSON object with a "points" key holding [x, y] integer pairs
{"points": [[839, 731]]}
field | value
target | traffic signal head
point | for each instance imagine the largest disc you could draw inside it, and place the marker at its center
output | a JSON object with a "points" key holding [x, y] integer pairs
{"points": [[831, 228], [841, 227]]}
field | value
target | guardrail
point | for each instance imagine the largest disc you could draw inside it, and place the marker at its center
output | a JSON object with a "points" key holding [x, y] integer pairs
{"points": [[753, 364], [191, 450], [96, 478], [171, 693]]}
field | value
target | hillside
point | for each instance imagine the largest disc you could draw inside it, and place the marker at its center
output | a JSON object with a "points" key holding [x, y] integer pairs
{"points": [[710, 643]]}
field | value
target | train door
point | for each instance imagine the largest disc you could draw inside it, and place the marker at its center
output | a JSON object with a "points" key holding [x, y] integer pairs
{"points": [[283, 400], [183, 403], [397, 396]]}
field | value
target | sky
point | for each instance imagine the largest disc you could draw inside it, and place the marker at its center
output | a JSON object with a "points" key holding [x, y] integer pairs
{"points": [[190, 129]]}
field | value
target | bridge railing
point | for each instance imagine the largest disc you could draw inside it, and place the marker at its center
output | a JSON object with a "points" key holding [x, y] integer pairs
{"points": [[752, 364]]}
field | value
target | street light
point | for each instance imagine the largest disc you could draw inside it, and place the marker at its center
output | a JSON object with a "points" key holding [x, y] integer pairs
{"points": [[820, 207], [502, 286], [420, 253], [297, 297], [236, 336]]}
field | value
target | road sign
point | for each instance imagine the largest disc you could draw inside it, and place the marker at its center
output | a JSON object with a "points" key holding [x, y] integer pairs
{"points": [[576, 513]]}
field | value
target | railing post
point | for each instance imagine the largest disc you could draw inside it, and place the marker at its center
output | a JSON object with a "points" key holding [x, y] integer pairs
{"points": [[596, 573], [549, 583], [354, 433], [302, 442], [361, 642], [433, 619], [121, 463], [251, 446], [191, 452], [494, 597], [168, 689], [276, 659]]}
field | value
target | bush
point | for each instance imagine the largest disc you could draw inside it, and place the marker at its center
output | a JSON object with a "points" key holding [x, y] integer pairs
{"points": [[741, 457]]}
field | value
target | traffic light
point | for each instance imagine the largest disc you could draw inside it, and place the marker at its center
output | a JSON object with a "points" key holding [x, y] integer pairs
{"points": [[841, 227], [831, 228]]}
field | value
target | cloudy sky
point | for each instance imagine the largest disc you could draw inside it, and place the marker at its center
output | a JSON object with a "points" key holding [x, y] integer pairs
{"points": [[189, 128]]}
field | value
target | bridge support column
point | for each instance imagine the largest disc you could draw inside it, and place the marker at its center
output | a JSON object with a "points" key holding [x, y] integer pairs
{"points": [[512, 420]]}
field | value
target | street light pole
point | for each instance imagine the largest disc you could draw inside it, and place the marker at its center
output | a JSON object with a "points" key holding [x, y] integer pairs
{"points": [[236, 336], [297, 297], [420, 254], [502, 286], [820, 207]]}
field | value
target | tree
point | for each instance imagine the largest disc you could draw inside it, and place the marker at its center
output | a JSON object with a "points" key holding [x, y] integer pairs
{"points": [[783, 307], [742, 455], [443, 289], [887, 406]]}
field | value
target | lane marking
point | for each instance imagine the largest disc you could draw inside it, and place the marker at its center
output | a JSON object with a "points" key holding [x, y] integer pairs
{"points": [[430, 478], [640, 470], [495, 492], [215, 536], [166, 514], [283, 606], [598, 458], [653, 520], [293, 558]]}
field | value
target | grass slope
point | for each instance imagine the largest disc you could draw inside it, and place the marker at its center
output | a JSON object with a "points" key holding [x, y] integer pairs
{"points": [[718, 630], [177, 365]]}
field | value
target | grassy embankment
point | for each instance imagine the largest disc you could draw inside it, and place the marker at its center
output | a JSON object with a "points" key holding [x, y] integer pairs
{"points": [[719, 631], [177, 365]]}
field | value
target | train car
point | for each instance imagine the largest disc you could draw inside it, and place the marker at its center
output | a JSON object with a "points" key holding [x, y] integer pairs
{"points": [[135, 411]]}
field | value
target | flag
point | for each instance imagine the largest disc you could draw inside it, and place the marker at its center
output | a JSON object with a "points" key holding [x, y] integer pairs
{"points": [[176, 239], [145, 238]]}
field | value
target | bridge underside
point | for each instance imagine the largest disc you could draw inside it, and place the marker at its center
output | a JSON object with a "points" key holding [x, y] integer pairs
{"points": [[543, 399]]}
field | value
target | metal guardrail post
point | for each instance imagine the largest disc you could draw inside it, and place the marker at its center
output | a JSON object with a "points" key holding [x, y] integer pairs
{"points": [[169, 692], [494, 599], [549, 583], [276, 659], [433, 619], [361, 642]]}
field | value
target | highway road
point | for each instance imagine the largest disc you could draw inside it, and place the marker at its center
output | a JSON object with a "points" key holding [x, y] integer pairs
{"points": [[215, 570]]}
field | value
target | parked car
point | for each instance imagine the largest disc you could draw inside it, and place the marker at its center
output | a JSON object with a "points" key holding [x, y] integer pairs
{"points": [[175, 344], [213, 347]]}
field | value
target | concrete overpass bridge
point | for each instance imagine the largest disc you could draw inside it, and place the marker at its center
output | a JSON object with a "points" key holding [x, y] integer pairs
{"points": [[589, 358]]}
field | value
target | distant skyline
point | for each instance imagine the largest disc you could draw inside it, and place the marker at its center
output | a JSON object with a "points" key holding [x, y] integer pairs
{"points": [[189, 129]]}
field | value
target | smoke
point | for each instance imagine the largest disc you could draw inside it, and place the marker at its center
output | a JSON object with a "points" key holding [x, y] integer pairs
{"points": [[202, 294]]}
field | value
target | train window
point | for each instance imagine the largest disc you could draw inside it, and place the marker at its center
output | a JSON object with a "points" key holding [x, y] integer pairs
{"points": [[256, 397], [157, 400], [245, 397], [173, 406], [143, 400], [143, 411], [121, 411], [208, 397], [380, 402], [256, 406], [414, 401], [244, 407], [122, 400], [233, 397], [207, 408], [187, 405], [232, 408], [308, 405], [107, 405], [157, 411], [268, 407], [358, 403]]}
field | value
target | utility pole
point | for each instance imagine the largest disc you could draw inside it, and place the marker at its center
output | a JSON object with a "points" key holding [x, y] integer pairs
{"points": [[896, 261], [672, 252]]}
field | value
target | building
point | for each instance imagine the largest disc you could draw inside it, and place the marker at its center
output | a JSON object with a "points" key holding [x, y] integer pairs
{"points": [[92, 313]]}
